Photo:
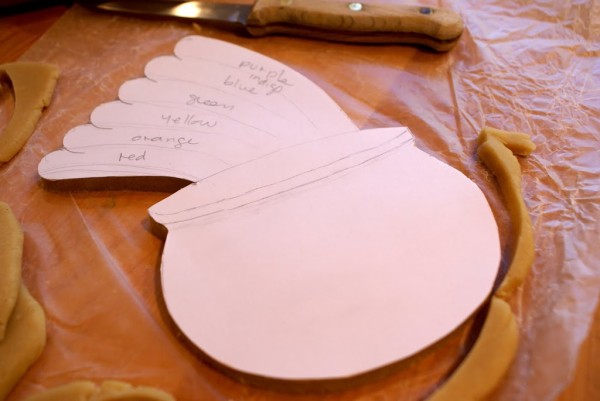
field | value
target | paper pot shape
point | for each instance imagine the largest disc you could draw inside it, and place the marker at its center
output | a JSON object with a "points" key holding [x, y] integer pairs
{"points": [[328, 259]]}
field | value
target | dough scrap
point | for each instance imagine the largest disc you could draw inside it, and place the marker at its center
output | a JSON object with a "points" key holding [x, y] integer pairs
{"points": [[24, 341], [488, 361], [110, 390], [33, 85], [120, 391], [520, 143], [495, 151], [491, 356], [11, 253], [74, 391]]}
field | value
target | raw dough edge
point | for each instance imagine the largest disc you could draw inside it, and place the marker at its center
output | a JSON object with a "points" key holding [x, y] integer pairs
{"points": [[11, 254], [110, 390], [74, 391], [33, 86], [488, 361], [23, 343], [504, 165], [491, 356]]}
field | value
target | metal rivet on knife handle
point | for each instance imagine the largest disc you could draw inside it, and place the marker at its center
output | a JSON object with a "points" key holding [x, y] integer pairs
{"points": [[355, 6]]}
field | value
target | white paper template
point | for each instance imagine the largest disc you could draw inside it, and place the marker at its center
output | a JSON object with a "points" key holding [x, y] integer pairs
{"points": [[224, 104], [341, 262], [304, 248]]}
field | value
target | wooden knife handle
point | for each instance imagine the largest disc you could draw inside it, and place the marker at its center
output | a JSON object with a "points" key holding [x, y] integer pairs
{"points": [[357, 22]]}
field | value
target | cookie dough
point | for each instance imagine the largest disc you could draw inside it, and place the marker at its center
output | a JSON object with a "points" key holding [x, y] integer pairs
{"points": [[23, 342], [74, 391], [107, 391], [496, 151], [488, 361], [491, 356], [119, 391], [11, 252], [33, 85], [518, 142]]}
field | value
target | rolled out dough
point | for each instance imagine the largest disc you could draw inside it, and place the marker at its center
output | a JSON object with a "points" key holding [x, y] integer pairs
{"points": [[24, 340], [33, 85], [108, 391], [11, 252]]}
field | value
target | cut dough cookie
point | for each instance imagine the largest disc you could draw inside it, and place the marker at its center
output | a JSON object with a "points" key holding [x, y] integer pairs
{"points": [[488, 361], [107, 391], [496, 151], [33, 85], [11, 252], [24, 340]]}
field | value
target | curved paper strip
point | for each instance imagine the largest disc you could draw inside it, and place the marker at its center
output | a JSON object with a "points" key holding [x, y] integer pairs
{"points": [[33, 85], [291, 87], [222, 103], [488, 361], [327, 259], [201, 102]]}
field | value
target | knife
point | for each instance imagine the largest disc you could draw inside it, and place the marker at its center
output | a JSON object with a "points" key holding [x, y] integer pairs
{"points": [[357, 22]]}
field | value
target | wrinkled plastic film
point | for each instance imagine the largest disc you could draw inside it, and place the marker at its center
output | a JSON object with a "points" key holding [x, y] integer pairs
{"points": [[92, 261]]}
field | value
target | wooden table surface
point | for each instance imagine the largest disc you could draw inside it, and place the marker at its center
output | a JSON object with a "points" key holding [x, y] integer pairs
{"points": [[19, 31]]}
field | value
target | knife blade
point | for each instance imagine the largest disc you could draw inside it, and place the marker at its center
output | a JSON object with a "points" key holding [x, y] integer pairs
{"points": [[357, 22]]}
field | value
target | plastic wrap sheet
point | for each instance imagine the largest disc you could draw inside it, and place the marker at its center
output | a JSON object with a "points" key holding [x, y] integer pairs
{"points": [[92, 262]]}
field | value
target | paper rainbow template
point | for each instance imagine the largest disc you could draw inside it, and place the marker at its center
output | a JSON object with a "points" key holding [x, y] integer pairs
{"points": [[304, 248]]}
